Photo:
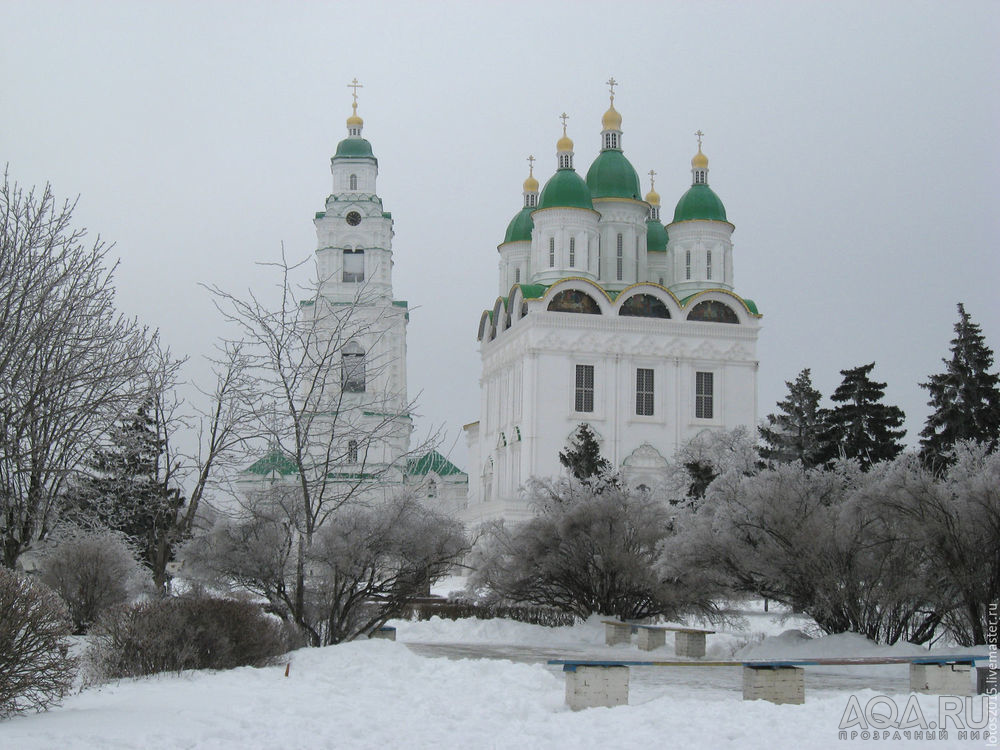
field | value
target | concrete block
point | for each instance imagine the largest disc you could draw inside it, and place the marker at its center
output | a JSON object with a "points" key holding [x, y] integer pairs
{"points": [[388, 634], [591, 687], [941, 679], [774, 684], [689, 644], [615, 633], [649, 639], [987, 681]]}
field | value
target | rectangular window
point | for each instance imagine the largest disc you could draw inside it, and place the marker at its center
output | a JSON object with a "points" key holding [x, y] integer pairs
{"points": [[644, 392], [584, 388], [552, 251], [687, 263], [703, 393], [621, 258], [517, 275], [708, 265], [352, 451], [354, 265], [572, 252]]}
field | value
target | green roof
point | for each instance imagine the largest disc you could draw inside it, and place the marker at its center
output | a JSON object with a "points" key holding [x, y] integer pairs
{"points": [[273, 462], [533, 291], [565, 189], [429, 462], [356, 147], [751, 306], [700, 202], [656, 236], [612, 176], [519, 229]]}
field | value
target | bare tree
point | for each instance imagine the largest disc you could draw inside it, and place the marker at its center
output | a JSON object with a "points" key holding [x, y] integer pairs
{"points": [[318, 385], [366, 562], [70, 365]]}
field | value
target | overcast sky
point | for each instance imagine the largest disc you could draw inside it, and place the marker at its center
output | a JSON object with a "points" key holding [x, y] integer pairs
{"points": [[855, 146]]}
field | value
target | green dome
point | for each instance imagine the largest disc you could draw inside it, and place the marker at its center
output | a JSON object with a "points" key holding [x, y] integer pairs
{"points": [[519, 229], [700, 202], [356, 147], [611, 176], [565, 189], [656, 237]]}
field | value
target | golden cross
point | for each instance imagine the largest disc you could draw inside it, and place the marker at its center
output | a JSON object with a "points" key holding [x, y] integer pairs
{"points": [[612, 83], [652, 182], [699, 134], [355, 85], [564, 117], [531, 164]]}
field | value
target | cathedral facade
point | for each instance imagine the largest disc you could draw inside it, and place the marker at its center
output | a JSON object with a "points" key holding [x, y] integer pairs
{"points": [[608, 317]]}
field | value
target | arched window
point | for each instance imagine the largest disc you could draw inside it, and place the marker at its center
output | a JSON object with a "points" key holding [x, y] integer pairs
{"points": [[611, 140], [644, 306], [574, 301], [552, 251], [708, 264], [687, 264], [565, 160], [572, 252], [621, 258], [517, 274], [354, 182], [354, 265], [352, 368], [711, 311], [352, 451]]}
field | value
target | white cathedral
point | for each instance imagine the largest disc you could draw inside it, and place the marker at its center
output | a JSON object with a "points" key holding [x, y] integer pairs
{"points": [[608, 317], [605, 317]]}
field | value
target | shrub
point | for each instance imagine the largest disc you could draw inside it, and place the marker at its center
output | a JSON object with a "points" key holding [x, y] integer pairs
{"points": [[35, 670], [92, 570], [191, 632]]}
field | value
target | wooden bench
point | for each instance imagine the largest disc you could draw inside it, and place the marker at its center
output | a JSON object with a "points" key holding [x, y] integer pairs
{"points": [[687, 642], [605, 683]]}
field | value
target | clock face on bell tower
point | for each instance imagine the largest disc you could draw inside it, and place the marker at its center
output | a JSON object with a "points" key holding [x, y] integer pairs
{"points": [[353, 218]]}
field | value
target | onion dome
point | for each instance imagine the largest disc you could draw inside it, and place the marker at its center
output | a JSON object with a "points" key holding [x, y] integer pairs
{"points": [[612, 176], [700, 202], [656, 236], [354, 146], [565, 189], [652, 197], [519, 229], [612, 119]]}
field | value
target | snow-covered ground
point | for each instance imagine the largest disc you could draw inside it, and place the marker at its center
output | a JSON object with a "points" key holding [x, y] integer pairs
{"points": [[477, 684]]}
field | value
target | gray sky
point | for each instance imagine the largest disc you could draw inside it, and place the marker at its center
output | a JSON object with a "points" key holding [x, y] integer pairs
{"points": [[855, 146]]}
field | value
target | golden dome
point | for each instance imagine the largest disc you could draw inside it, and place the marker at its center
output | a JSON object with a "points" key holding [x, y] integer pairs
{"points": [[653, 198], [355, 120], [700, 161], [564, 144], [612, 119], [531, 184]]}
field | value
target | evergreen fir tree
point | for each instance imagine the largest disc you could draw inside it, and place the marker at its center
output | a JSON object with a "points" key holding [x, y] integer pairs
{"points": [[965, 398], [583, 456], [126, 492], [860, 426], [796, 432]]}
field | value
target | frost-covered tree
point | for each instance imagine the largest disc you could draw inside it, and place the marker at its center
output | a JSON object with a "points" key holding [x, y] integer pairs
{"points": [[588, 549], [92, 570], [583, 456], [71, 366], [696, 464], [965, 398], [950, 524], [795, 432], [364, 564], [860, 426], [129, 490], [804, 538]]}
